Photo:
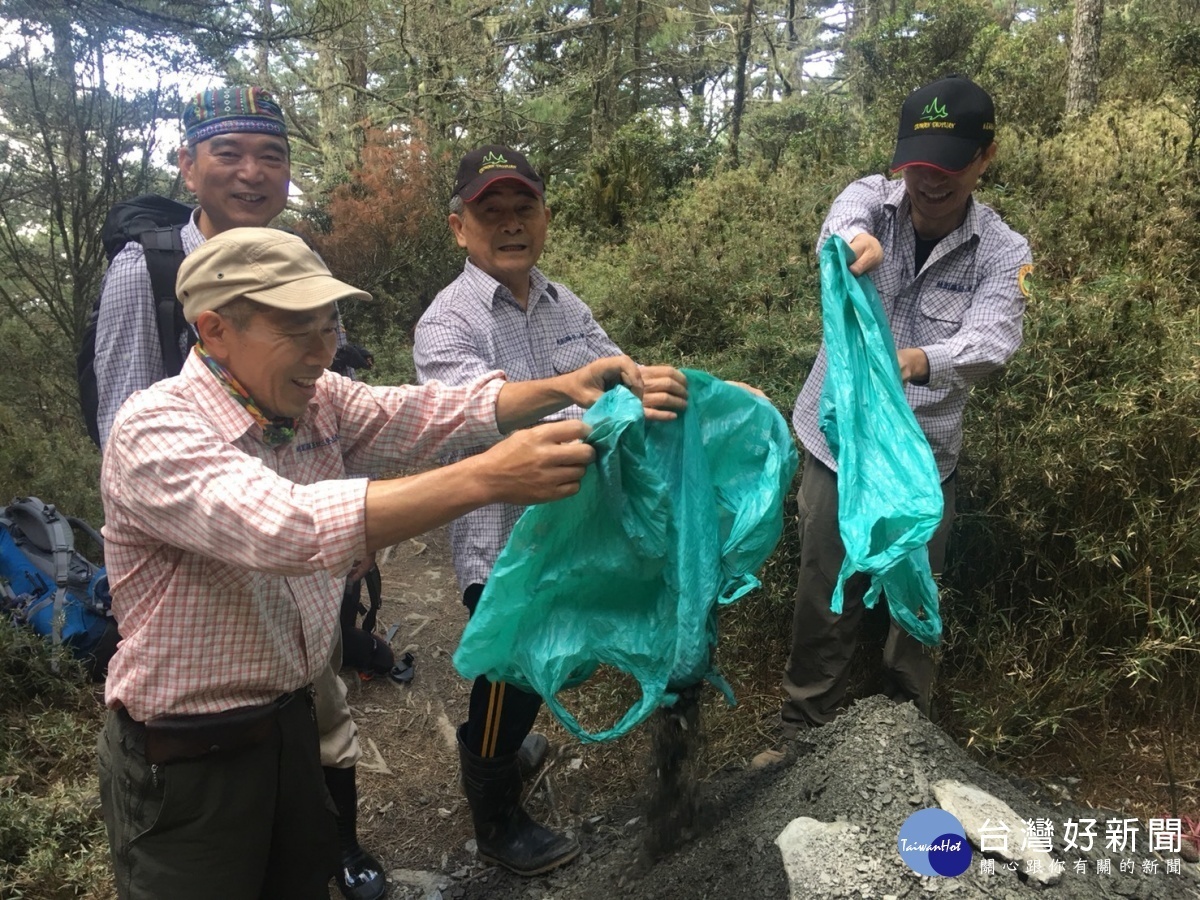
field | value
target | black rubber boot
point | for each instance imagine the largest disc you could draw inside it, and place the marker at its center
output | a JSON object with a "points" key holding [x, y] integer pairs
{"points": [[505, 834], [359, 874]]}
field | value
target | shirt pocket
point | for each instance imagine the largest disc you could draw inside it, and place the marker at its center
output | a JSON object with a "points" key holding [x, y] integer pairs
{"points": [[942, 311], [572, 355]]}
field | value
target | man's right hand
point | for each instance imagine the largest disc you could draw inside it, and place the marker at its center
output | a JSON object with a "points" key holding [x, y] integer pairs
{"points": [[535, 465], [665, 394], [538, 464], [868, 253]]}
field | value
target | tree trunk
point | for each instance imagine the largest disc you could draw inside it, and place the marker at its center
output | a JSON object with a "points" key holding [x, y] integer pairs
{"points": [[635, 85], [603, 81], [739, 84], [262, 60], [331, 126], [1083, 67]]}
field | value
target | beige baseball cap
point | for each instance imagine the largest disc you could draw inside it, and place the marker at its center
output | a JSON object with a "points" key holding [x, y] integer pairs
{"points": [[265, 265]]}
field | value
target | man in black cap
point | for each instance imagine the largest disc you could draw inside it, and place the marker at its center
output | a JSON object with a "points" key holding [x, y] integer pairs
{"points": [[951, 277], [503, 313]]}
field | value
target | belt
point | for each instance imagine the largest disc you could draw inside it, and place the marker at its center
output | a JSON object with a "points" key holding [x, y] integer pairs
{"points": [[169, 739]]}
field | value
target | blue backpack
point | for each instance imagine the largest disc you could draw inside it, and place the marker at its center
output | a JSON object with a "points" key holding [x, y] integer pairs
{"points": [[48, 586]]}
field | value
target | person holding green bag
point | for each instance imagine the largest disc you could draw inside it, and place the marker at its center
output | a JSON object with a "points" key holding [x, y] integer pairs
{"points": [[951, 278], [503, 313]]}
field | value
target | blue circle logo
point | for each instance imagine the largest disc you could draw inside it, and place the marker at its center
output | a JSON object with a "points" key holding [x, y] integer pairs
{"points": [[932, 842]]}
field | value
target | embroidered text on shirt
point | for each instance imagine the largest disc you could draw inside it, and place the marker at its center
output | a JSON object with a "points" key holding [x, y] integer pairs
{"points": [[313, 445]]}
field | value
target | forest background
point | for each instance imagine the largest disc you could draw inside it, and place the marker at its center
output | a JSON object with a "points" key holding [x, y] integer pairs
{"points": [[691, 150]]}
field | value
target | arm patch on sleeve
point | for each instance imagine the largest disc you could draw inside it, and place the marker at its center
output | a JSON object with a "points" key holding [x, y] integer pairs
{"points": [[1023, 279]]}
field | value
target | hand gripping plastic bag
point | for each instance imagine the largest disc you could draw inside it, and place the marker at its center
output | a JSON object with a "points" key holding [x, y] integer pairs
{"points": [[672, 521], [889, 494]]}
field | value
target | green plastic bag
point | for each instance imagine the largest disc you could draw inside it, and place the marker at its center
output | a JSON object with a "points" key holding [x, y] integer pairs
{"points": [[672, 521], [889, 494]]}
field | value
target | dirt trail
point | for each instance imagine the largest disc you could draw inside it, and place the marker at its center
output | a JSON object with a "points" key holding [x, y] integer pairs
{"points": [[866, 773]]}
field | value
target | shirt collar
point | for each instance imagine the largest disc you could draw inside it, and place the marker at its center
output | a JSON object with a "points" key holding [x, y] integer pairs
{"points": [[491, 291], [230, 418], [190, 235]]}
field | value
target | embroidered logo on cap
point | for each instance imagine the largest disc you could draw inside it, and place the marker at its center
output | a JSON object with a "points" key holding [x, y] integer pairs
{"points": [[495, 161], [933, 112]]}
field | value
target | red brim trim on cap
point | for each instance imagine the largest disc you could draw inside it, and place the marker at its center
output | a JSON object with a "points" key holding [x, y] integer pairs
{"points": [[477, 187], [928, 165], [946, 153]]}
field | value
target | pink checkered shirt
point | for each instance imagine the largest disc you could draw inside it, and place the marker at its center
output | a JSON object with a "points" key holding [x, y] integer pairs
{"points": [[226, 556]]}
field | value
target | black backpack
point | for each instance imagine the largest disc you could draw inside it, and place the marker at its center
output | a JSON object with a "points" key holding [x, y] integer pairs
{"points": [[155, 222], [48, 586]]}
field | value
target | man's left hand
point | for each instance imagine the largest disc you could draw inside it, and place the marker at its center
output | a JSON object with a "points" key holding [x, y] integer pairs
{"points": [[914, 365], [666, 393], [585, 386], [362, 567]]}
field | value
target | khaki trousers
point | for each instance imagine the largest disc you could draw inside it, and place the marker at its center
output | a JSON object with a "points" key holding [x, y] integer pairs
{"points": [[339, 735]]}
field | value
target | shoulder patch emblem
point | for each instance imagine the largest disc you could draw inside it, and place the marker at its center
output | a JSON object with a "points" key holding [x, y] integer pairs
{"points": [[1023, 279]]}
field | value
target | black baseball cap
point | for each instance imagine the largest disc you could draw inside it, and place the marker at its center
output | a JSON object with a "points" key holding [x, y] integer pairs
{"points": [[491, 163], [944, 124]]}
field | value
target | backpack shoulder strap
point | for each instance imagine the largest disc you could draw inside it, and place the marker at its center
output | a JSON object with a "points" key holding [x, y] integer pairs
{"points": [[164, 255], [374, 585]]}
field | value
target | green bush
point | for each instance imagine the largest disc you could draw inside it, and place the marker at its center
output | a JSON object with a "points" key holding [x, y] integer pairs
{"points": [[627, 181], [1082, 473], [52, 840], [44, 448], [688, 285]]}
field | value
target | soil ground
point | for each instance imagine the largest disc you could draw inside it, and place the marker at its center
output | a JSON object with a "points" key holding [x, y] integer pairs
{"points": [[870, 769]]}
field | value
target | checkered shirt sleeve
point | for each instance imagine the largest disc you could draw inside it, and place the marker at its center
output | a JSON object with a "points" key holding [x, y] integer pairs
{"points": [[226, 556], [963, 309]]}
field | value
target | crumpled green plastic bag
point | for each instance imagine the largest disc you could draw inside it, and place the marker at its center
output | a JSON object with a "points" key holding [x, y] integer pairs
{"points": [[889, 493], [673, 520]]}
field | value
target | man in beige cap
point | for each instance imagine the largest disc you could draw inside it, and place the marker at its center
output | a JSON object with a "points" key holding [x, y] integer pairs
{"points": [[236, 160], [231, 519]]}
